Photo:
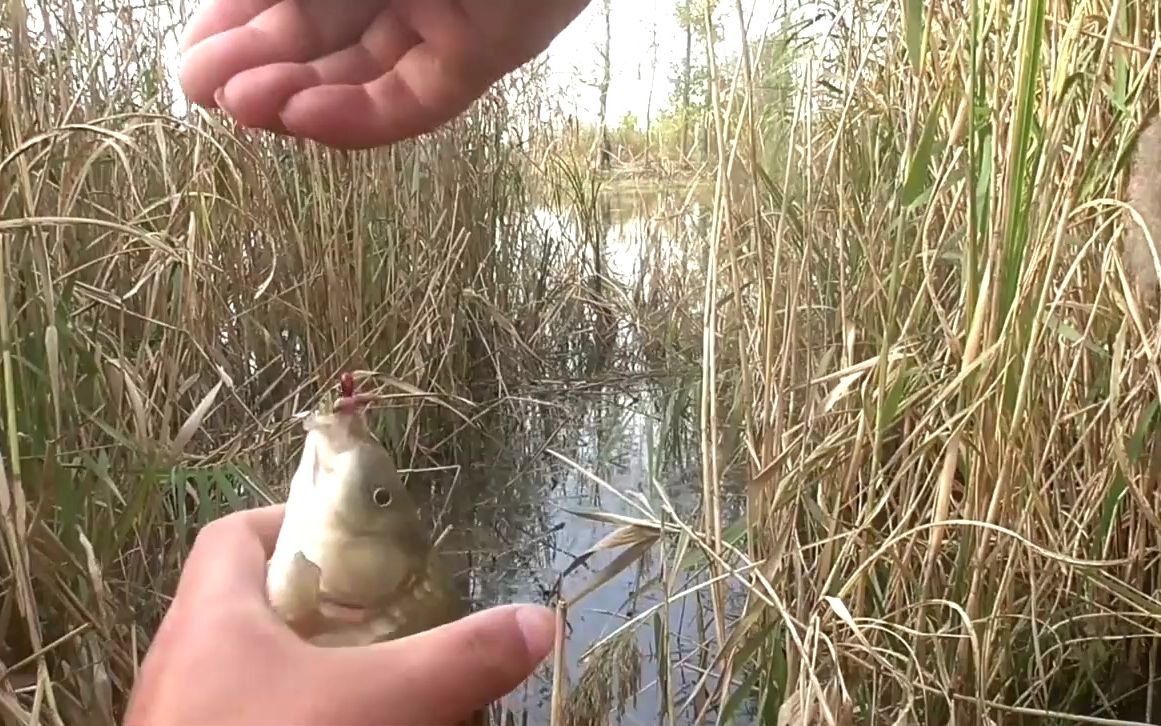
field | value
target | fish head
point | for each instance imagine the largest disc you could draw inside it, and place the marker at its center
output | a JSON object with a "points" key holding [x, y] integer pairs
{"points": [[375, 540], [367, 495]]}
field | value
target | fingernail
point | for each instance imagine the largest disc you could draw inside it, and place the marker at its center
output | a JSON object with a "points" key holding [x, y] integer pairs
{"points": [[220, 98], [538, 628]]}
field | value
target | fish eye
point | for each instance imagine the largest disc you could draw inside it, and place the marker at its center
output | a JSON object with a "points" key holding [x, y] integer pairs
{"points": [[381, 497]]}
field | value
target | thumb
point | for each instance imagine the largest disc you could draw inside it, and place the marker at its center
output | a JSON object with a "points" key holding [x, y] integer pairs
{"points": [[444, 674]]}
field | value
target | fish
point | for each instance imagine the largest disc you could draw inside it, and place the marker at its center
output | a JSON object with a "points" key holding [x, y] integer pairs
{"points": [[353, 563]]}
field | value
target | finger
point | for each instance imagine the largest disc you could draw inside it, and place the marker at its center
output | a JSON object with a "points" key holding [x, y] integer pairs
{"points": [[216, 16], [255, 97], [421, 93], [284, 32], [264, 523], [444, 674], [444, 24], [229, 556]]}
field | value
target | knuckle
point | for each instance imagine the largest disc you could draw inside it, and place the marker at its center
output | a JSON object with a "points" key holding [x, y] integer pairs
{"points": [[216, 530], [209, 532]]}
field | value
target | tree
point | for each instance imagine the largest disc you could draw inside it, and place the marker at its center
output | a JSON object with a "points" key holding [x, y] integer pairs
{"points": [[604, 147], [652, 79], [692, 88], [685, 18]]}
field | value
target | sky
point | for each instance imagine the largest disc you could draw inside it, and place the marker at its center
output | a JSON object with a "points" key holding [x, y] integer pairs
{"points": [[576, 52]]}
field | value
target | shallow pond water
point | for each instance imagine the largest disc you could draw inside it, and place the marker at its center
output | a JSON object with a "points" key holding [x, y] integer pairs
{"points": [[521, 530], [524, 537]]}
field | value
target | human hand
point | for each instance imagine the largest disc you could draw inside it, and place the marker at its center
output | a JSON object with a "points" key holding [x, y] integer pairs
{"points": [[361, 73], [221, 655]]}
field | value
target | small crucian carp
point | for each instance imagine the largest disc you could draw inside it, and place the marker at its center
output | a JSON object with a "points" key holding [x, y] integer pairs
{"points": [[353, 564]]}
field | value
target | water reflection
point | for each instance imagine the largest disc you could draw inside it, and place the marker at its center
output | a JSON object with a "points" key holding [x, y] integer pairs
{"points": [[516, 537], [514, 534]]}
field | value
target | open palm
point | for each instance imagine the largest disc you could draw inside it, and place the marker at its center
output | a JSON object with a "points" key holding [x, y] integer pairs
{"points": [[359, 73]]}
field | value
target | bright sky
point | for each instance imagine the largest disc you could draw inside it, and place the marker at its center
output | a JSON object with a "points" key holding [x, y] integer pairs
{"points": [[577, 52]]}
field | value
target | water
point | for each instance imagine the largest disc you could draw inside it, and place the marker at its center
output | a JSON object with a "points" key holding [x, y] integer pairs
{"points": [[516, 536], [523, 537]]}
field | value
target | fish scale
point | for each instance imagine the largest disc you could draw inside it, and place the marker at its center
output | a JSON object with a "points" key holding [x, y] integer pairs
{"points": [[352, 541]]}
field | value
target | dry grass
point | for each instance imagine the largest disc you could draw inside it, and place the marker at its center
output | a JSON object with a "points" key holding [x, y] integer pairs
{"points": [[903, 320], [949, 400]]}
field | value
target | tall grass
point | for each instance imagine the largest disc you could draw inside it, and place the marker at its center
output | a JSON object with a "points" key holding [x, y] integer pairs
{"points": [[950, 401], [901, 319]]}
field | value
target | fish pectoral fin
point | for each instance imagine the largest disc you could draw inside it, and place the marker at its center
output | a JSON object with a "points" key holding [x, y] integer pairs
{"points": [[309, 571], [301, 598]]}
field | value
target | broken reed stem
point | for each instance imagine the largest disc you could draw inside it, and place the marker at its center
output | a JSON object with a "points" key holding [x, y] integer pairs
{"points": [[558, 695]]}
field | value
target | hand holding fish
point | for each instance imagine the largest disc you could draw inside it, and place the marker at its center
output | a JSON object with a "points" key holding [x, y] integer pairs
{"points": [[222, 656]]}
